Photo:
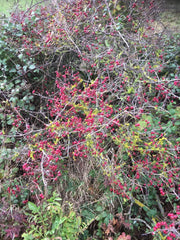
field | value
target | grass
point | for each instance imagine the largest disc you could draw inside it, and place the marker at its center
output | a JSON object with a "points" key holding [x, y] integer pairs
{"points": [[171, 21], [8, 5]]}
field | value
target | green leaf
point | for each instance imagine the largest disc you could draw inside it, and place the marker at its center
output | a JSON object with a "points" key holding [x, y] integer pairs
{"points": [[10, 121], [27, 236], [78, 221], [130, 90], [102, 216], [32, 108], [32, 66], [177, 123], [178, 111], [20, 56], [12, 70], [2, 116], [62, 220], [25, 68], [172, 111], [151, 213], [7, 140], [106, 43], [71, 214], [33, 207], [99, 209], [56, 223], [106, 220]]}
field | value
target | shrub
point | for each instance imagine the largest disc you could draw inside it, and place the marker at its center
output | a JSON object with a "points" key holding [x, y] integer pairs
{"points": [[102, 115]]}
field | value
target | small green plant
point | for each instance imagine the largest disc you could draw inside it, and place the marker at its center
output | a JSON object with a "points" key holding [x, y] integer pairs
{"points": [[49, 220]]}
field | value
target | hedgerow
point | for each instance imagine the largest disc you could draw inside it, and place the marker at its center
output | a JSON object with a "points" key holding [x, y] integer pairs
{"points": [[89, 113]]}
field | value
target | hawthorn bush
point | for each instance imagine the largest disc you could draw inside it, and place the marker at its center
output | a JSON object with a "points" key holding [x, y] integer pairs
{"points": [[90, 111]]}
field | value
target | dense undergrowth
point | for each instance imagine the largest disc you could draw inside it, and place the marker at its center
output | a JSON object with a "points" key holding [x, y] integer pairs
{"points": [[90, 119]]}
